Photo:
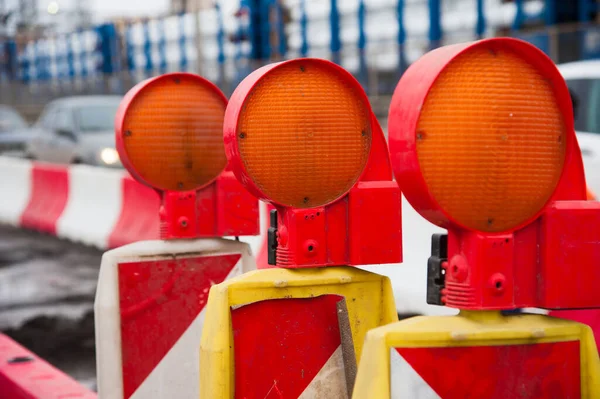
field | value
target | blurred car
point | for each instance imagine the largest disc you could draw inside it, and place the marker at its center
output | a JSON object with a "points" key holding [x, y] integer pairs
{"points": [[583, 79], [14, 133], [77, 130]]}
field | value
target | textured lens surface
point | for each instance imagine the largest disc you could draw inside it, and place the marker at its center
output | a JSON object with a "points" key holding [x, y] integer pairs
{"points": [[173, 133], [304, 134], [491, 140]]}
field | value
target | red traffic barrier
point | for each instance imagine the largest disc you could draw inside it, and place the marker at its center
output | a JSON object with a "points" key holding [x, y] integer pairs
{"points": [[23, 375]]}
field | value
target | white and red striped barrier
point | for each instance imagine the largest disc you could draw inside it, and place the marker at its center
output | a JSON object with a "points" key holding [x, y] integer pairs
{"points": [[106, 208], [99, 207]]}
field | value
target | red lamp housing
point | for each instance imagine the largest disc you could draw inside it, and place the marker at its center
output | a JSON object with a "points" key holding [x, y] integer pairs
{"points": [[301, 135], [168, 135], [482, 143]]}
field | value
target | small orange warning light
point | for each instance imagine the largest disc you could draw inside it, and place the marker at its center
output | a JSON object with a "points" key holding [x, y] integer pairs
{"points": [[170, 132]]}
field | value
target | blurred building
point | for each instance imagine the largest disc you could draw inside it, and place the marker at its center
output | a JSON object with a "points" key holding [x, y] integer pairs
{"points": [[35, 18], [183, 6]]}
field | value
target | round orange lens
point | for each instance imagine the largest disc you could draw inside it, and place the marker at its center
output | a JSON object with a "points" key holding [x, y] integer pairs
{"points": [[491, 140], [304, 134], [173, 133]]}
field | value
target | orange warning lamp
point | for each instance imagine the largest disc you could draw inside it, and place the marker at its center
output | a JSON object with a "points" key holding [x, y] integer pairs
{"points": [[301, 135], [482, 143], [169, 137]]}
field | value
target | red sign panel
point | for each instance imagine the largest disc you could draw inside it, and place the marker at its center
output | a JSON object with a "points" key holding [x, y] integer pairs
{"points": [[550, 370], [158, 302], [281, 345]]}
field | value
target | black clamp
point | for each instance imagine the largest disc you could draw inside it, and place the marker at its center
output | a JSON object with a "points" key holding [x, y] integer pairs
{"points": [[272, 238], [436, 274]]}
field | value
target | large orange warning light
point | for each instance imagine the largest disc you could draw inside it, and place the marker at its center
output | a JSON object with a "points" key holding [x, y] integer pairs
{"points": [[484, 146], [170, 134], [492, 153], [304, 133]]}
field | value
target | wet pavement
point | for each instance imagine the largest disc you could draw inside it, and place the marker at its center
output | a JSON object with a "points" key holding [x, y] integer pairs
{"points": [[47, 289]]}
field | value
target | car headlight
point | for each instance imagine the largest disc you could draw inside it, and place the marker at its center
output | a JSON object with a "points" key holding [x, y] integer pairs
{"points": [[109, 156]]}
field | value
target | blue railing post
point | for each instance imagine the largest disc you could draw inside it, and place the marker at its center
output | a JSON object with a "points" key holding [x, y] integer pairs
{"points": [[83, 55], [519, 15], [550, 12], [401, 37], [221, 44], [108, 48], [59, 61], [584, 10], [148, 49], [362, 43], [281, 38], [183, 60], [481, 23], [435, 26], [242, 31], [37, 56], [129, 47], [4, 65], [25, 66], [254, 27], [162, 47], [336, 43], [303, 29], [12, 63], [265, 29], [70, 57]]}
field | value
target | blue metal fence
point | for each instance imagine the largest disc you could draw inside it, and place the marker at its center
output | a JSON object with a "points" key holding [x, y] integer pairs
{"points": [[361, 35]]}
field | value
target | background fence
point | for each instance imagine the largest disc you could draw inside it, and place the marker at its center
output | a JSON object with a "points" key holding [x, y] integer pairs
{"points": [[374, 39]]}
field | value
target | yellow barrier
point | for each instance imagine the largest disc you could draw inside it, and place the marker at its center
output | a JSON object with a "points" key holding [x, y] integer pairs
{"points": [[479, 354], [271, 331]]}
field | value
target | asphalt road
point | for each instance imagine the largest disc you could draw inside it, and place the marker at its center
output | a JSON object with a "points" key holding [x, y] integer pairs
{"points": [[47, 289]]}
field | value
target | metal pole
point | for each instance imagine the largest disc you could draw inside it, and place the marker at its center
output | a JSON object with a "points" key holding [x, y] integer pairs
{"points": [[362, 43], [336, 44], [401, 37], [303, 29], [435, 27], [183, 61], [199, 41], [221, 44], [281, 38], [162, 44], [584, 10], [519, 15], [148, 49], [550, 12], [481, 23]]}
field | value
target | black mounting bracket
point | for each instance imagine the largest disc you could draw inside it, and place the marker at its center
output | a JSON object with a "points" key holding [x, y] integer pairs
{"points": [[272, 238], [436, 275]]}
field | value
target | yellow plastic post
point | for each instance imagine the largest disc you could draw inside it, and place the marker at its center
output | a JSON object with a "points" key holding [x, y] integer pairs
{"points": [[367, 302], [483, 354]]}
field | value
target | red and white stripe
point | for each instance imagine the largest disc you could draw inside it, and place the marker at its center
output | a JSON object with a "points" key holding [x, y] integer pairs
{"points": [[100, 207], [538, 369], [164, 357]]}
